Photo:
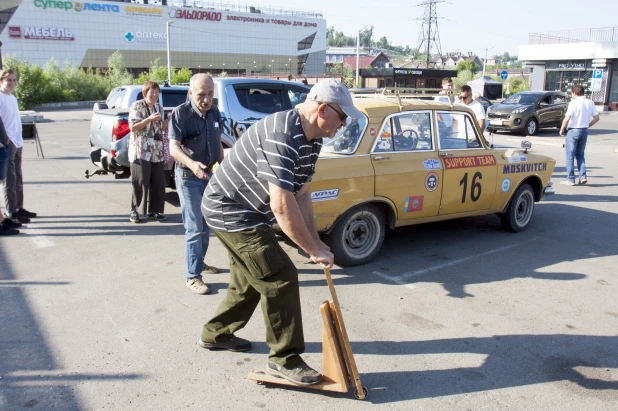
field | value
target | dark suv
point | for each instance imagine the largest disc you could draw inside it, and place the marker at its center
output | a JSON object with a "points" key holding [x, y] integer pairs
{"points": [[527, 111]]}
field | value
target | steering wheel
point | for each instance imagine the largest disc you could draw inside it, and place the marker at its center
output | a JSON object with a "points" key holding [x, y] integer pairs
{"points": [[406, 140]]}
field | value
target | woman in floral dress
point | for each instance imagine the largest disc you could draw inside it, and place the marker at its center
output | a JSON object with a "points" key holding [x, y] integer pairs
{"points": [[146, 154]]}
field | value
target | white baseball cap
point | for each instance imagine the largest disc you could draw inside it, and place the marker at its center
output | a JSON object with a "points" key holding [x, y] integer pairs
{"points": [[331, 91]]}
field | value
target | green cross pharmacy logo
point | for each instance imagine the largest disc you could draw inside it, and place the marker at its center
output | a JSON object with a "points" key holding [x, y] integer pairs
{"points": [[129, 37]]}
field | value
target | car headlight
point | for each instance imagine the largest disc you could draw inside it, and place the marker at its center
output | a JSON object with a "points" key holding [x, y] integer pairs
{"points": [[520, 110]]}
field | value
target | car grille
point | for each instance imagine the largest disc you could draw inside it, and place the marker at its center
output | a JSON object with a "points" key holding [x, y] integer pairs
{"points": [[498, 115]]}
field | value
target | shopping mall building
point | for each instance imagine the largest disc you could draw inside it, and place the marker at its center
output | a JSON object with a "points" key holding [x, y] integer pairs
{"points": [[204, 35], [586, 57]]}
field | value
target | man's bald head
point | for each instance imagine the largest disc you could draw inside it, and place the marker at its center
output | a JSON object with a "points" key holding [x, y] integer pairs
{"points": [[202, 90]]}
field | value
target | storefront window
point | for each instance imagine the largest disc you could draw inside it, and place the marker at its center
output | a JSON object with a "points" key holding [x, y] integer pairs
{"points": [[613, 88], [564, 80]]}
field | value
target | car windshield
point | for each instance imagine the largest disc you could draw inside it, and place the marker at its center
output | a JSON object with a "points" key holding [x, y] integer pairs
{"points": [[347, 139], [522, 99]]}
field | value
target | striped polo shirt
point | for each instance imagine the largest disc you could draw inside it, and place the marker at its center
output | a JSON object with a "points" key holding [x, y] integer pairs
{"points": [[275, 150]]}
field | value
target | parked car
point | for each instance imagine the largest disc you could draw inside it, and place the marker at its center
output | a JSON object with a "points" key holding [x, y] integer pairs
{"points": [[528, 111], [242, 101], [414, 161]]}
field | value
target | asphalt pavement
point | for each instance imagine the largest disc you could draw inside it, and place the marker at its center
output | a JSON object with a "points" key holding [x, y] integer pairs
{"points": [[454, 315]]}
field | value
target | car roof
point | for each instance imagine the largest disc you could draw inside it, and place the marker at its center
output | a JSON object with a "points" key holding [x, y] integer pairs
{"points": [[251, 80], [378, 107], [540, 92]]}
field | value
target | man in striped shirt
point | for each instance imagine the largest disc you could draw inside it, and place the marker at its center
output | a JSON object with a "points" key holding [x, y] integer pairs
{"points": [[266, 179]]}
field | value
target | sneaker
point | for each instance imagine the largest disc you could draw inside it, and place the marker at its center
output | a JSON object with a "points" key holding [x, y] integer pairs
{"points": [[583, 181], [17, 218], [7, 222], [302, 375], [227, 342], [157, 216], [567, 182], [197, 286], [209, 269], [134, 217], [4, 230], [25, 213]]}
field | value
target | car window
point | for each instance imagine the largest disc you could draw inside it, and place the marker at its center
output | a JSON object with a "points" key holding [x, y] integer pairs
{"points": [[296, 97], [347, 139], [520, 98], [558, 99], [457, 131], [408, 131], [261, 98], [173, 98], [545, 101], [115, 97]]}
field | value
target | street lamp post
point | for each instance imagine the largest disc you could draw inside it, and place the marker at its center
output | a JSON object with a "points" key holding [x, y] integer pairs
{"points": [[237, 69], [485, 62], [272, 71], [199, 69], [223, 66], [169, 64], [290, 61]]}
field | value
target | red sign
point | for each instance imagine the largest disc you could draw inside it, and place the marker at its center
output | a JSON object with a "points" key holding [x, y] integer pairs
{"points": [[15, 32], [470, 161], [195, 15], [413, 204]]}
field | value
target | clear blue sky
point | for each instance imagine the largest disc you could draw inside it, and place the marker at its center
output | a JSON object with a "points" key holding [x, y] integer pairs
{"points": [[467, 25]]}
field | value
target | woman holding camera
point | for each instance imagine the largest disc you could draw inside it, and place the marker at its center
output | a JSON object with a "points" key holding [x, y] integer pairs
{"points": [[146, 154]]}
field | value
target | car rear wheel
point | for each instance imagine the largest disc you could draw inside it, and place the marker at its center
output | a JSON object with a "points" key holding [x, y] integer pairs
{"points": [[532, 127], [357, 236], [519, 212]]}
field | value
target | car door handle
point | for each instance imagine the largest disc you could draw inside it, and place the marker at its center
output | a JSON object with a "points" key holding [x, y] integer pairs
{"points": [[380, 158], [445, 154]]}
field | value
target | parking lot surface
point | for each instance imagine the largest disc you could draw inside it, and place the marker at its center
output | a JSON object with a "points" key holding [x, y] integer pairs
{"points": [[452, 315]]}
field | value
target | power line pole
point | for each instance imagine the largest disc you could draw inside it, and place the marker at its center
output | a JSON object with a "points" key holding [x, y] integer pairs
{"points": [[430, 37]]}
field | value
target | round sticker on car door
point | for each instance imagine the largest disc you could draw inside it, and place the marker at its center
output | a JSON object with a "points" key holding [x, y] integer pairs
{"points": [[431, 182]]}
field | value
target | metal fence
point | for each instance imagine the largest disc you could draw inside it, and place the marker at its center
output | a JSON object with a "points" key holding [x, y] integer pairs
{"points": [[599, 35]]}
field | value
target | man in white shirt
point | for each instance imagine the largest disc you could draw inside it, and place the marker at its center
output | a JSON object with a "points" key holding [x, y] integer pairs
{"points": [[578, 118], [14, 185], [465, 97]]}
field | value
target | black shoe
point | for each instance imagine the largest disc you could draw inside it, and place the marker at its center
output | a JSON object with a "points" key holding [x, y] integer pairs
{"points": [[17, 218], [4, 230], [301, 375], [7, 222], [227, 342], [22, 212], [134, 217], [157, 216]]}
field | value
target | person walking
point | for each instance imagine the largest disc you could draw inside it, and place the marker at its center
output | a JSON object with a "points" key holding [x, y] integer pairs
{"points": [[7, 226], [14, 183], [146, 152], [465, 97], [579, 117], [264, 179], [195, 144]]}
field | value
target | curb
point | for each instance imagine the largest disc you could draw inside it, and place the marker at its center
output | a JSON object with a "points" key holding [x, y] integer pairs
{"points": [[539, 142], [65, 105]]}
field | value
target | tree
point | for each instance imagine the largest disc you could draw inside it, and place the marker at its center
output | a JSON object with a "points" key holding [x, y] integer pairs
{"points": [[467, 65], [182, 75], [117, 73], [366, 35], [383, 43]]}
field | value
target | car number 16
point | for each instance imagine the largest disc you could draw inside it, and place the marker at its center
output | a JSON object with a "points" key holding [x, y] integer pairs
{"points": [[475, 191]]}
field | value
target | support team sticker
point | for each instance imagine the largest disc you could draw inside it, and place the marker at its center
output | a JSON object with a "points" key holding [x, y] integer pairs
{"points": [[431, 182]]}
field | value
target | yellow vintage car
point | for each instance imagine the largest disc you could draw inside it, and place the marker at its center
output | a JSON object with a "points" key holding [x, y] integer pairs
{"points": [[412, 161]]}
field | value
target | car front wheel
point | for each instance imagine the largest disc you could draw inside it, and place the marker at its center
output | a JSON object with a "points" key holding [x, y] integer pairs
{"points": [[532, 127], [519, 212], [357, 236]]}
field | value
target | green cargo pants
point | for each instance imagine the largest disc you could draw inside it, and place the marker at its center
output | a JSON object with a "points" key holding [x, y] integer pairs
{"points": [[260, 271]]}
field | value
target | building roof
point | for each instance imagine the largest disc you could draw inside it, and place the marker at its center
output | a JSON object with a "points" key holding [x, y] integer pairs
{"points": [[363, 61]]}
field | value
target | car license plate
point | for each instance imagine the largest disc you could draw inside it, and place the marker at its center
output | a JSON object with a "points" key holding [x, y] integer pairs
{"points": [[495, 122]]}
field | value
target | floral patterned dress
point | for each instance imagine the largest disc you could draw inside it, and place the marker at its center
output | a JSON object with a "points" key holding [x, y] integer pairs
{"points": [[142, 143]]}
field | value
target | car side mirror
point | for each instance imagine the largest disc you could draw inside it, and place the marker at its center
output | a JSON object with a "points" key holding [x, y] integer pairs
{"points": [[526, 145]]}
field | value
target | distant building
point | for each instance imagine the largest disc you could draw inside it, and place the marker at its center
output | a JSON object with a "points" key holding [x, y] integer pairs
{"points": [[559, 60], [337, 54]]}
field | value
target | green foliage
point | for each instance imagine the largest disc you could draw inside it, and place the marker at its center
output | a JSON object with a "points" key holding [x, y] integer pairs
{"points": [[223, 74], [515, 85], [182, 75], [467, 65], [462, 79], [263, 69], [156, 72], [52, 83], [117, 73], [343, 70]]}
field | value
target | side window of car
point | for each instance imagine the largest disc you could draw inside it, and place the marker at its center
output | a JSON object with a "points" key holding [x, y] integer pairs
{"points": [[559, 99], [457, 131], [384, 141], [546, 101], [413, 132], [261, 99], [296, 96]]}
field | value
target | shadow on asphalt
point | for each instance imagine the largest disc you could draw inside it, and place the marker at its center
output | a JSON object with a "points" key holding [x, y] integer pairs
{"points": [[31, 376]]}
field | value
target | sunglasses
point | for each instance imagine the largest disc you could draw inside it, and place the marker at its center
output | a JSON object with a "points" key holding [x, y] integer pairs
{"points": [[342, 116], [463, 97]]}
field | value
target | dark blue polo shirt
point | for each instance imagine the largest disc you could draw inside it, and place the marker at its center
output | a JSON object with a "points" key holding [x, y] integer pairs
{"points": [[199, 135]]}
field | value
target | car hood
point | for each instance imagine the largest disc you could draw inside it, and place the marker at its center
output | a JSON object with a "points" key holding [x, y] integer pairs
{"points": [[507, 108]]}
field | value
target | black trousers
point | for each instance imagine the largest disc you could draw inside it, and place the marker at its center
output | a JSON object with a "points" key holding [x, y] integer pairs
{"points": [[148, 181]]}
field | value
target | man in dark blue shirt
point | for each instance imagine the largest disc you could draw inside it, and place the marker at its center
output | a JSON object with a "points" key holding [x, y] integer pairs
{"points": [[195, 144]]}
